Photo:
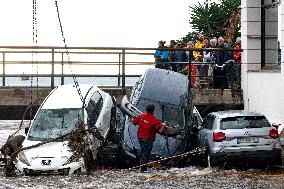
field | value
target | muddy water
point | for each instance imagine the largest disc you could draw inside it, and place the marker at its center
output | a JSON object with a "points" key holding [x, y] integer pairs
{"points": [[159, 178]]}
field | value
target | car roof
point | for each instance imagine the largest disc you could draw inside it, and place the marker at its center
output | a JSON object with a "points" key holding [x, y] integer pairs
{"points": [[66, 96], [235, 113]]}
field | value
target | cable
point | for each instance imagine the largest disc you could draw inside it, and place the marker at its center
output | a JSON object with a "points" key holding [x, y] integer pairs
{"points": [[68, 55], [34, 39]]}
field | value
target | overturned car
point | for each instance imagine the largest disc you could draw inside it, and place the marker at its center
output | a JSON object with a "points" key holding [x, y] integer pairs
{"points": [[168, 91]]}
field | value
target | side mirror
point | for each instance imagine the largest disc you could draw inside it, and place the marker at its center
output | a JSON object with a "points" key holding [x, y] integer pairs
{"points": [[275, 125], [26, 130]]}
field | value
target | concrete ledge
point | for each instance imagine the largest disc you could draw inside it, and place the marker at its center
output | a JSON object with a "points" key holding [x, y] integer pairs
{"points": [[217, 97], [21, 96], [14, 100]]}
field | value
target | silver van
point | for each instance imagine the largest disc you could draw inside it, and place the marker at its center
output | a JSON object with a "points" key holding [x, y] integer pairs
{"points": [[167, 90]]}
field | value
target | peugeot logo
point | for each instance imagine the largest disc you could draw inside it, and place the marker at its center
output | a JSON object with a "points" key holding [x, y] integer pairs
{"points": [[46, 162], [246, 133]]}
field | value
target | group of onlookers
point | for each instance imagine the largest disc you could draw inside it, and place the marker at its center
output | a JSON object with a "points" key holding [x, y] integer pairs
{"points": [[213, 63], [167, 59]]}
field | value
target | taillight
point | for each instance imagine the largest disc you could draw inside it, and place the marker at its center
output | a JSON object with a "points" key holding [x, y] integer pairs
{"points": [[273, 133], [218, 137]]}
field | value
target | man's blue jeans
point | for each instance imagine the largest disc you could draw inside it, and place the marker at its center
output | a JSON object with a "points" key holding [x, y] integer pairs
{"points": [[146, 148]]}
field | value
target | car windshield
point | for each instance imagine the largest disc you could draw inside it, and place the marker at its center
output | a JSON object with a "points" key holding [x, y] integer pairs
{"points": [[241, 122], [52, 123], [174, 116]]}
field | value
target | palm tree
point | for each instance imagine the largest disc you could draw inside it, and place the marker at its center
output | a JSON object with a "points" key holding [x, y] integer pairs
{"points": [[233, 18], [217, 19]]}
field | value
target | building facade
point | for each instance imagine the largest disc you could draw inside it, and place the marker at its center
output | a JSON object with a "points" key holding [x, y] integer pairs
{"points": [[262, 66]]}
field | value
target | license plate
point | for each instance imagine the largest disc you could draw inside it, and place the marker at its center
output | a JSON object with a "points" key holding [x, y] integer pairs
{"points": [[248, 140]]}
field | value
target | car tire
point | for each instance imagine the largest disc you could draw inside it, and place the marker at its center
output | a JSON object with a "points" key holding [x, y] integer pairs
{"points": [[278, 161]]}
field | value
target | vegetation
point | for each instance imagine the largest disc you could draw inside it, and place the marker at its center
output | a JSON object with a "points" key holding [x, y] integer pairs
{"points": [[216, 19], [191, 36]]}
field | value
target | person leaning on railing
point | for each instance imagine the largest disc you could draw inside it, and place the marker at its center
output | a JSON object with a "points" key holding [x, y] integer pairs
{"points": [[220, 80], [199, 44], [198, 55], [161, 55], [210, 57], [180, 56], [171, 58], [238, 58], [191, 58]]}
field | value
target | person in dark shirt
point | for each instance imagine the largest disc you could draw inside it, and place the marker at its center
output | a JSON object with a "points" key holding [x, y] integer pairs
{"points": [[220, 79], [12, 145], [180, 56], [149, 125]]}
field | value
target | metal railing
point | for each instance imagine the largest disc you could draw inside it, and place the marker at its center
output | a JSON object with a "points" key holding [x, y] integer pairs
{"points": [[56, 64], [103, 66]]}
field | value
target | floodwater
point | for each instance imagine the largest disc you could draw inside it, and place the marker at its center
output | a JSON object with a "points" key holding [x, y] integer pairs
{"points": [[158, 178]]}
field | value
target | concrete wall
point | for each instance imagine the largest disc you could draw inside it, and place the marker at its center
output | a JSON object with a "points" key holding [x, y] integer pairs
{"points": [[266, 94], [21, 96], [263, 89], [14, 100]]}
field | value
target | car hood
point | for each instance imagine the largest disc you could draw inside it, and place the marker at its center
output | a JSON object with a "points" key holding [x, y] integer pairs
{"points": [[52, 149]]}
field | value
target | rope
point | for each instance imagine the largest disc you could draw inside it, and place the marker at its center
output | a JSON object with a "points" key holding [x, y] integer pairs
{"points": [[197, 150], [68, 55]]}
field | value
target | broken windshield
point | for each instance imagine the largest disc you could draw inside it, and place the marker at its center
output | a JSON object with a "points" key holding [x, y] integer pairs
{"points": [[52, 123]]}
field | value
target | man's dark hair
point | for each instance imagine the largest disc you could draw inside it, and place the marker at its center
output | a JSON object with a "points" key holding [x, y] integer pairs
{"points": [[150, 108]]}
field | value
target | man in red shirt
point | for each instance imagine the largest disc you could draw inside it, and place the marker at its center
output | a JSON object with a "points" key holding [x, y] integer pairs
{"points": [[149, 125]]}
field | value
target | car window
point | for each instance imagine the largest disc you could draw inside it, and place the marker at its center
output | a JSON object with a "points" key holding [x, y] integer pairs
{"points": [[208, 122], [94, 108], [241, 122], [98, 100]]}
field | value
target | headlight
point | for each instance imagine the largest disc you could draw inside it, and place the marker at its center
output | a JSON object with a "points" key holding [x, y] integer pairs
{"points": [[72, 159], [22, 157]]}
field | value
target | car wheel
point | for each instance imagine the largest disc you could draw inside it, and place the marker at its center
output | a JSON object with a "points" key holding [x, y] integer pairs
{"points": [[277, 161]]}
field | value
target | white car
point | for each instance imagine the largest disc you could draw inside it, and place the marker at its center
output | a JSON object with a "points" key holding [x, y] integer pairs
{"points": [[58, 115]]}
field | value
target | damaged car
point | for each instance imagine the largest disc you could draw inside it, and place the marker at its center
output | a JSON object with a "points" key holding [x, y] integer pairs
{"points": [[57, 116], [168, 91]]}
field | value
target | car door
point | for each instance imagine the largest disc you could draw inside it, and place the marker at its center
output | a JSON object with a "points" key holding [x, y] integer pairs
{"points": [[102, 109], [92, 117]]}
